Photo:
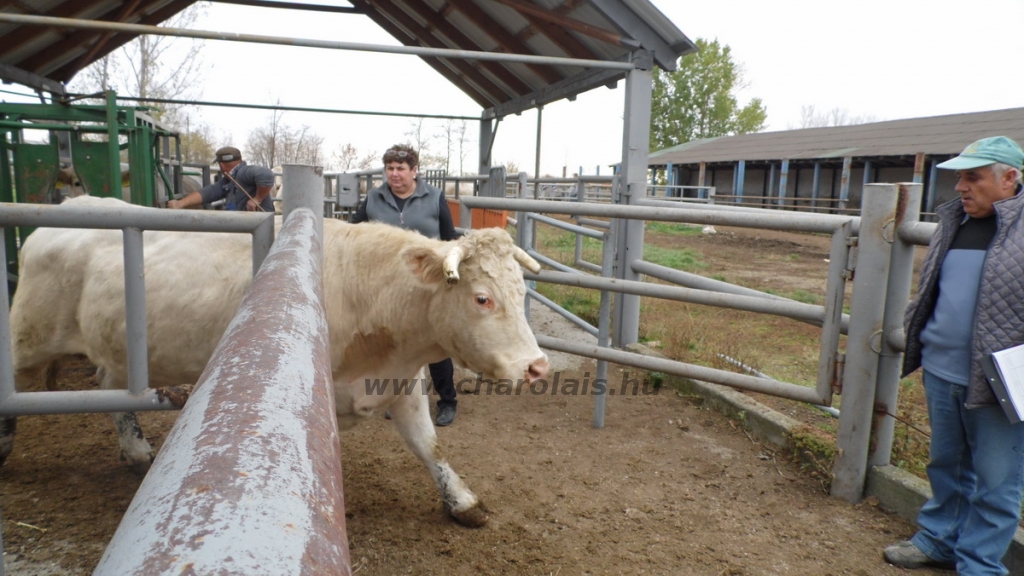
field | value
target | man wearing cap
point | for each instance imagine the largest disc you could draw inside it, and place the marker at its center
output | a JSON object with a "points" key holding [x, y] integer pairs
{"points": [[242, 186], [969, 303]]}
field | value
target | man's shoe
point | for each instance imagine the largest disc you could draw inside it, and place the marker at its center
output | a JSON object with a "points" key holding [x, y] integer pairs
{"points": [[906, 555], [445, 415], [387, 414]]}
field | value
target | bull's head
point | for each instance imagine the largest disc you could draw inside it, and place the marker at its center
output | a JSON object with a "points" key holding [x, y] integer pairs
{"points": [[477, 312]]}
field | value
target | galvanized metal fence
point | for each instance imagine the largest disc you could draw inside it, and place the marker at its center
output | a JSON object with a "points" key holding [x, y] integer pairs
{"points": [[863, 250]]}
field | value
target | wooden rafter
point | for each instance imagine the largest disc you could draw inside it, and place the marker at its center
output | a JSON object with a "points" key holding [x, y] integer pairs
{"points": [[555, 21], [26, 34], [428, 39], [125, 14], [505, 39], [445, 27], [76, 41]]}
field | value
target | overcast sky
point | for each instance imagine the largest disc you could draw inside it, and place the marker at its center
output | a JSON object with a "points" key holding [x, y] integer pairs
{"points": [[887, 59]]}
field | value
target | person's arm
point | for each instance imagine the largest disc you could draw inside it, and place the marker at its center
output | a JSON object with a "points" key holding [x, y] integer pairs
{"points": [[444, 220], [359, 215], [263, 178], [255, 204], [192, 199]]}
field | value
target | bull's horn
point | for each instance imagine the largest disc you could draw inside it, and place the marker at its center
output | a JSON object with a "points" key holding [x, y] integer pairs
{"points": [[451, 264], [525, 260]]}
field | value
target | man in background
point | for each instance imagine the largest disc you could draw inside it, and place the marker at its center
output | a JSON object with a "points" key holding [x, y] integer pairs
{"points": [[242, 186]]}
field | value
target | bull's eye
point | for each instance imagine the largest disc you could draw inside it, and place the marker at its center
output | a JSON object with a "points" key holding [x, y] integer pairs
{"points": [[484, 301]]}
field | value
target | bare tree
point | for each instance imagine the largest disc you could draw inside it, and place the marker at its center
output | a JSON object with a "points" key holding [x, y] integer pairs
{"points": [[344, 157], [165, 67], [811, 118], [447, 136], [276, 143], [369, 161], [196, 142], [147, 67], [462, 140], [420, 141]]}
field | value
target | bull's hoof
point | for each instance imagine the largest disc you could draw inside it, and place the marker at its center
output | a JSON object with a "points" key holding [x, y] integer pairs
{"points": [[474, 517], [139, 464]]}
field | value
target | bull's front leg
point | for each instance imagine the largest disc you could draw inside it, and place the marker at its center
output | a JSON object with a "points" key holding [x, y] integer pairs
{"points": [[411, 414]]}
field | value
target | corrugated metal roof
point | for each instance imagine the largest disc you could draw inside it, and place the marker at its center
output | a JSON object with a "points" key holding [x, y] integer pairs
{"points": [[608, 30], [934, 135]]}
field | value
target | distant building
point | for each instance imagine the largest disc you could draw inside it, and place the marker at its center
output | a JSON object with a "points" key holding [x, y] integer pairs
{"points": [[825, 169]]}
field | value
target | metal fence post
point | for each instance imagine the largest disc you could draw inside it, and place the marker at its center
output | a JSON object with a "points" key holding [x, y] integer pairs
{"points": [[863, 344], [890, 362], [629, 234], [304, 188]]}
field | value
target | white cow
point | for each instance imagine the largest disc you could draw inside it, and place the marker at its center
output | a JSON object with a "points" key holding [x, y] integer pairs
{"points": [[395, 301]]}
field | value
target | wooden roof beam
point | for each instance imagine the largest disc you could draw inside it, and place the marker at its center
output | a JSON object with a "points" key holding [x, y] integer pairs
{"points": [[67, 71], [505, 39], [26, 34], [455, 35], [87, 58], [388, 8], [549, 21]]}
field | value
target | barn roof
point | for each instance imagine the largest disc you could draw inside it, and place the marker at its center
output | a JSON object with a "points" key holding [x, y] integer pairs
{"points": [[608, 30], [933, 136]]}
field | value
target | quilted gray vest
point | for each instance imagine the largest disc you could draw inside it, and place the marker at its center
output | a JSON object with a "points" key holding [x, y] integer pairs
{"points": [[998, 315]]}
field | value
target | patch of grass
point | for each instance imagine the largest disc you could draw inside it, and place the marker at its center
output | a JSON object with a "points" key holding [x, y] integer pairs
{"points": [[657, 379], [680, 258], [815, 450], [673, 229], [798, 295], [580, 301]]}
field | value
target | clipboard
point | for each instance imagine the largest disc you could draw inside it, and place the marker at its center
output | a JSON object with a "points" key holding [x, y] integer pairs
{"points": [[1004, 371]]}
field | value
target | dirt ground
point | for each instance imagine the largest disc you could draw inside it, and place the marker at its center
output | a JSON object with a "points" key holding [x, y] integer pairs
{"points": [[667, 487]]}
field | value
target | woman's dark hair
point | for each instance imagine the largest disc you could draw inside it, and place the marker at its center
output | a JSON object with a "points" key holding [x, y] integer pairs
{"points": [[402, 153]]}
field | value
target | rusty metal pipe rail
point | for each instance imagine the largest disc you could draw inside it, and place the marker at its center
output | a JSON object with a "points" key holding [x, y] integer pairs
{"points": [[249, 479]]}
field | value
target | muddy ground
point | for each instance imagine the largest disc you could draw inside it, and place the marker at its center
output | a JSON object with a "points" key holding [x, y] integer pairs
{"points": [[667, 487]]}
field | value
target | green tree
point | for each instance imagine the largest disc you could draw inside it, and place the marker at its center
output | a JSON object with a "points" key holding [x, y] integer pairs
{"points": [[698, 99]]}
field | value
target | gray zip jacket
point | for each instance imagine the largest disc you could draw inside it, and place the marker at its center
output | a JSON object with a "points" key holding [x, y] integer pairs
{"points": [[999, 314], [425, 211]]}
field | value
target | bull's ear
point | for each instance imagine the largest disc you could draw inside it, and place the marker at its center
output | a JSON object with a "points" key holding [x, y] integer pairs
{"points": [[425, 264]]}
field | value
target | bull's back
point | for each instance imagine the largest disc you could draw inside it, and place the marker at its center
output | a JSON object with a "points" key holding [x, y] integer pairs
{"points": [[71, 300]]}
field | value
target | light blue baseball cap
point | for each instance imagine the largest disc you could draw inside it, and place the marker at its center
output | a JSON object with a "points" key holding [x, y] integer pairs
{"points": [[987, 151]]}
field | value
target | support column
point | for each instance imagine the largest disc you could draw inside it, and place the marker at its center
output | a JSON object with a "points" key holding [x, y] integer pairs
{"points": [[816, 186], [933, 186], [844, 186], [632, 187], [783, 182], [741, 175], [702, 180], [486, 143], [771, 183], [536, 162]]}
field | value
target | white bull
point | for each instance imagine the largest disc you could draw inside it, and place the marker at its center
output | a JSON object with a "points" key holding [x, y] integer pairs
{"points": [[395, 301]]}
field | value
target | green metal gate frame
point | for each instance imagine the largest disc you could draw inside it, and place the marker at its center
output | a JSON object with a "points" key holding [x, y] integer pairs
{"points": [[28, 172]]}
